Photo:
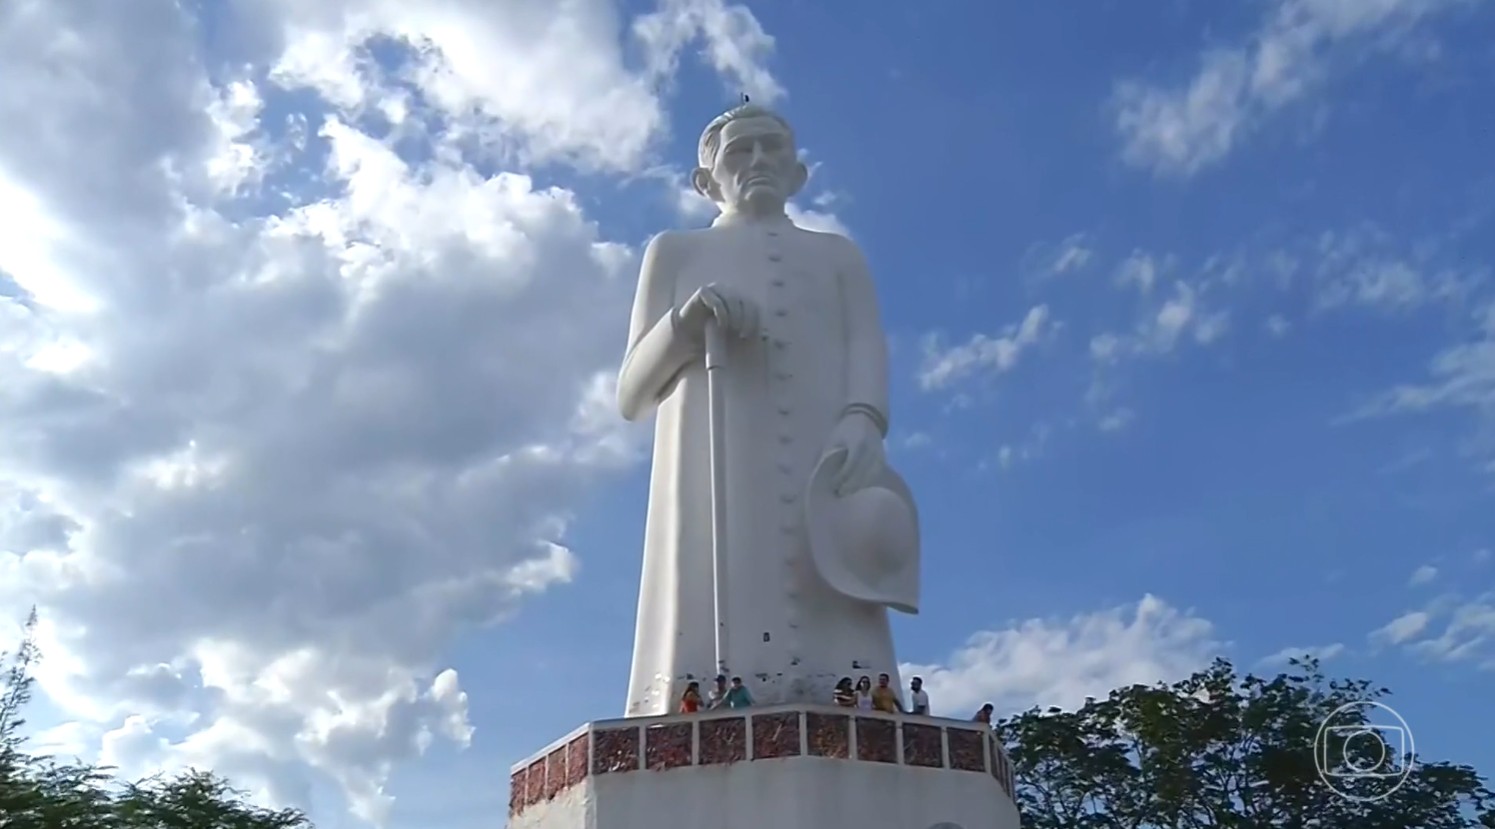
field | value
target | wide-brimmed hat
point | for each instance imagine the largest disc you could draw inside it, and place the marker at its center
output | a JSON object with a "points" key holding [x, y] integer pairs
{"points": [[865, 545]]}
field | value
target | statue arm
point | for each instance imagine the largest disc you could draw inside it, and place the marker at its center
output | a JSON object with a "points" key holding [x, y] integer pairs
{"points": [[867, 343], [657, 347]]}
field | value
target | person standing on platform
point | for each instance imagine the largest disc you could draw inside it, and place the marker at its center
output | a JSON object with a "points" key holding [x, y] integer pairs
{"points": [[738, 696], [884, 698], [918, 698], [718, 697], [690, 701]]}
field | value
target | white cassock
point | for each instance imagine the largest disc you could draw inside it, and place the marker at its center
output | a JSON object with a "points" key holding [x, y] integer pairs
{"points": [[789, 633]]}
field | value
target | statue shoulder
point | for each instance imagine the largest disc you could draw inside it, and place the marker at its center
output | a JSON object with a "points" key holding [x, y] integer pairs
{"points": [[666, 250], [846, 253], [828, 239], [665, 241]]}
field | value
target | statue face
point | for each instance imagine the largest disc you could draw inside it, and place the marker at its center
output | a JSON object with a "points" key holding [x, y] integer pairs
{"points": [[756, 168]]}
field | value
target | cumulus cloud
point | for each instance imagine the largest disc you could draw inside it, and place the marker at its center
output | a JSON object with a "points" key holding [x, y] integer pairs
{"points": [[1029, 448], [1402, 629], [1060, 662], [1461, 378], [944, 365], [1450, 628], [1141, 271], [1188, 313], [1364, 267], [1173, 305], [1290, 57], [1322, 653], [1070, 256], [734, 43], [1117, 420], [293, 399], [1423, 575], [539, 81]]}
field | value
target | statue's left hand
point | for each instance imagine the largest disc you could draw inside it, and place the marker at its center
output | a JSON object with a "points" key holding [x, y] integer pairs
{"points": [[858, 436]]}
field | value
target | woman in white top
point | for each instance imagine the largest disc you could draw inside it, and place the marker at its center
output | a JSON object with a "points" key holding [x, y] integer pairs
{"points": [[864, 693]]}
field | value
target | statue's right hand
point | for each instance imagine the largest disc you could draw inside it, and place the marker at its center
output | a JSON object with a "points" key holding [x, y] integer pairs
{"points": [[736, 315]]}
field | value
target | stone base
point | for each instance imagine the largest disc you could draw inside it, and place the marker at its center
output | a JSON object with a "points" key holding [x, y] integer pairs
{"points": [[787, 767]]}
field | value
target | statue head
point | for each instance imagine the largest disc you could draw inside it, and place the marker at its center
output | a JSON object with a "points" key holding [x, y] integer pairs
{"points": [[748, 162]]}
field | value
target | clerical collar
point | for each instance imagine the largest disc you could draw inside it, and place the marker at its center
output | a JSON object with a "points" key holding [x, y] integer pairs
{"points": [[744, 220]]}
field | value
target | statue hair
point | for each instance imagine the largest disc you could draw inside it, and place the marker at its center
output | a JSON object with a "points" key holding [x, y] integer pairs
{"points": [[711, 137]]}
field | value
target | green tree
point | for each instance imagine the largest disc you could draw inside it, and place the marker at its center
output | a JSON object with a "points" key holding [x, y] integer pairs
{"points": [[43, 793], [1220, 751]]}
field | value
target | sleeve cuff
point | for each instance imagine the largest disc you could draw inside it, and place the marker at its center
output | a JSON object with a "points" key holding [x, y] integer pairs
{"points": [[871, 412]]}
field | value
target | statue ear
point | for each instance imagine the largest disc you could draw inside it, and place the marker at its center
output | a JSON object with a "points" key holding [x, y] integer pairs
{"points": [[797, 181], [701, 180]]}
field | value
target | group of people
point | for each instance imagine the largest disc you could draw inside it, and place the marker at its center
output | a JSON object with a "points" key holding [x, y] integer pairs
{"points": [[882, 698], [722, 695], [863, 695]]}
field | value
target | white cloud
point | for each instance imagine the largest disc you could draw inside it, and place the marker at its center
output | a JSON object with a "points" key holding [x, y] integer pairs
{"points": [[288, 410], [1287, 60], [1423, 575], [1181, 317], [817, 220], [1117, 420], [1029, 448], [1361, 268], [1060, 662], [544, 81], [1072, 255], [944, 365], [1106, 348], [1140, 270], [1323, 653], [1278, 326], [1451, 628], [1188, 314], [1402, 629], [917, 440], [1461, 378], [734, 43]]}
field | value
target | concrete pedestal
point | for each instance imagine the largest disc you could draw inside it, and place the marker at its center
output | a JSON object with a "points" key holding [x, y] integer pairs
{"points": [[787, 767]]}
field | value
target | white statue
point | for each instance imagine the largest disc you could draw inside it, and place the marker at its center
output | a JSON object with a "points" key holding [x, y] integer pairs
{"points": [[822, 535]]}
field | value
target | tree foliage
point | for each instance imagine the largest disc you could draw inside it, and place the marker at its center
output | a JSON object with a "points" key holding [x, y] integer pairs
{"points": [[45, 793], [1220, 751]]}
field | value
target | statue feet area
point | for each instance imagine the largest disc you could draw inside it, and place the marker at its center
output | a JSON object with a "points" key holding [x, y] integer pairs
{"points": [[787, 766]]}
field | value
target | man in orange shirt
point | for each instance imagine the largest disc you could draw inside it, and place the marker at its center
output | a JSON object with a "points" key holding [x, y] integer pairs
{"points": [[884, 698]]}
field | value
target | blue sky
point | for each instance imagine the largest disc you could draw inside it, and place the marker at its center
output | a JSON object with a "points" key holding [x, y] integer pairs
{"points": [[1193, 354]]}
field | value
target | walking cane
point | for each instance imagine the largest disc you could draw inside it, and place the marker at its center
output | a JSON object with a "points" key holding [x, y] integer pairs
{"points": [[716, 359]]}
